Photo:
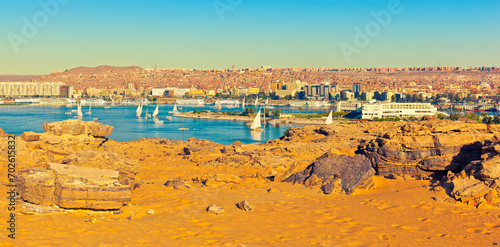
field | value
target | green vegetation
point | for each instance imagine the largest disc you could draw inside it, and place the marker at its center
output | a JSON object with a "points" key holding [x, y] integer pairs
{"points": [[389, 119], [308, 116], [248, 111]]}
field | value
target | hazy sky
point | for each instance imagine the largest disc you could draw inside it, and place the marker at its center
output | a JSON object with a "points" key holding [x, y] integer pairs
{"points": [[36, 38]]}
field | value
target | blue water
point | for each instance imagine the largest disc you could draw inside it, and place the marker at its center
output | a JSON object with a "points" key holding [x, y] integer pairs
{"points": [[17, 119]]}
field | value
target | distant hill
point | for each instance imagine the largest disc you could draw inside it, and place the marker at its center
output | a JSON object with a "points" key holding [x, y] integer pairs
{"points": [[7, 78], [103, 69]]}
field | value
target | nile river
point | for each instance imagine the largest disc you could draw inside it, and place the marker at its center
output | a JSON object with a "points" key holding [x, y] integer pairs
{"points": [[17, 119]]}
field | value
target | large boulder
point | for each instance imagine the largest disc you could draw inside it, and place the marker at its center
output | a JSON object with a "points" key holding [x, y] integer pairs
{"points": [[466, 189], [73, 187], [331, 171], [490, 169], [30, 136], [78, 127], [421, 149]]}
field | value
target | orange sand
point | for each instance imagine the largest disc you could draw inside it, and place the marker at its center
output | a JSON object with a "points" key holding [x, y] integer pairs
{"points": [[395, 213]]}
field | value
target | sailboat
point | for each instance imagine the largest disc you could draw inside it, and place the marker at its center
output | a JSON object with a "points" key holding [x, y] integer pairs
{"points": [[243, 105], [138, 111], [217, 105], [90, 110], [329, 119], [79, 113], [267, 104], [256, 101], [155, 113], [147, 115], [256, 125], [174, 111]]}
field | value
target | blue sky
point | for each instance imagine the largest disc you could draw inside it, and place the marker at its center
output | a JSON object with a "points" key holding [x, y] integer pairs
{"points": [[251, 33]]}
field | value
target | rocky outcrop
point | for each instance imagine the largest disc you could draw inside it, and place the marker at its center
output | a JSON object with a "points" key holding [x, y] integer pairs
{"points": [[78, 127], [102, 160], [489, 169], [466, 189], [335, 172], [73, 187], [478, 183], [421, 149], [30, 136]]}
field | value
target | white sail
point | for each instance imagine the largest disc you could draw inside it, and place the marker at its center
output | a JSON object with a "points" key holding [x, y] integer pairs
{"points": [[175, 111], [329, 119], [90, 110], [156, 111], [79, 112], [243, 105], [256, 122], [139, 111], [146, 117], [267, 101], [257, 101]]}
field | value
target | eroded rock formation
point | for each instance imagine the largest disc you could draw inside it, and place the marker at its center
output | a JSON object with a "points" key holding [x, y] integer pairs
{"points": [[78, 127], [73, 187], [332, 171], [421, 149]]}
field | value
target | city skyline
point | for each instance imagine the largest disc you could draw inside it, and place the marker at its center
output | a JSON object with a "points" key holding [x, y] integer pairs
{"points": [[49, 35]]}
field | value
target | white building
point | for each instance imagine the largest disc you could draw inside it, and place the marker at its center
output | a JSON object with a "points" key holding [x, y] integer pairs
{"points": [[349, 105], [402, 110], [26, 89], [198, 102]]}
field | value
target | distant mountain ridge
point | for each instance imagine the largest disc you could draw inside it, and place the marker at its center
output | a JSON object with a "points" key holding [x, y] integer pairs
{"points": [[103, 69], [14, 78]]}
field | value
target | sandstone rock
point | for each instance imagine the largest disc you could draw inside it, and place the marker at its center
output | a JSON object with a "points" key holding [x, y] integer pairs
{"points": [[28, 208], [176, 184], [54, 149], [421, 155], [490, 169], [333, 187], [467, 189], [237, 144], [2, 132], [228, 178], [151, 211], [294, 168], [73, 187], [29, 136], [245, 206], [78, 127], [215, 209], [192, 150], [227, 150], [53, 140], [350, 170], [103, 160]]}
